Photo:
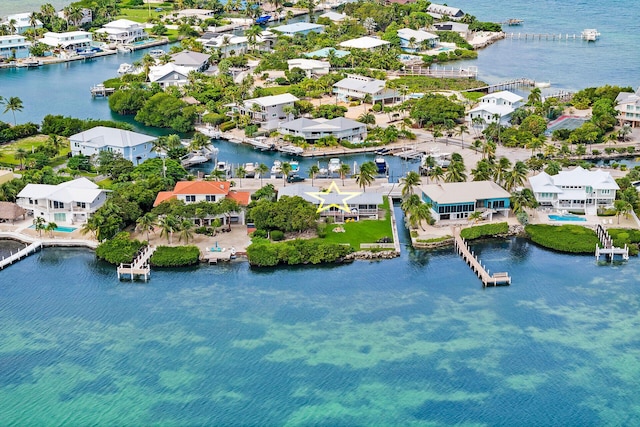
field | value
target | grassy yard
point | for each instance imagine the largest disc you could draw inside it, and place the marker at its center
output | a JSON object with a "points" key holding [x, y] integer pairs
{"points": [[7, 151], [142, 15], [425, 83], [365, 231], [276, 90]]}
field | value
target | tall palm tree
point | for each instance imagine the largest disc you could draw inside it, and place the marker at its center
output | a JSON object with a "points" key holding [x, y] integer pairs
{"points": [[344, 170], [313, 171], [366, 175], [437, 173], [523, 199], [409, 182], [20, 155], [161, 146], [455, 172], [39, 224], [12, 104], [500, 169], [168, 225], [462, 129], [262, 170], [146, 223], [199, 141], [286, 170], [240, 172], [186, 230], [51, 227]]}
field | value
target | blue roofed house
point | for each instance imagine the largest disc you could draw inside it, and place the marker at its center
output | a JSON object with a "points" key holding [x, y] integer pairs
{"points": [[457, 200], [417, 40], [302, 28], [133, 146]]}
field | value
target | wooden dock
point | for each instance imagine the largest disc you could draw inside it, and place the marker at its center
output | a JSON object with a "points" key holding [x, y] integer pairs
{"points": [[22, 253], [608, 249], [100, 90], [543, 36], [506, 85], [439, 72], [139, 266], [476, 266]]}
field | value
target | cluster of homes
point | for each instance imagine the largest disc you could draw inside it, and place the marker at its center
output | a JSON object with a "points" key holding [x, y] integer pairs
{"points": [[73, 202]]}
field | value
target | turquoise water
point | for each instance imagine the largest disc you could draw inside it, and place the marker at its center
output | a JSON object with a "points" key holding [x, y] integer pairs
{"points": [[61, 229], [566, 218]]}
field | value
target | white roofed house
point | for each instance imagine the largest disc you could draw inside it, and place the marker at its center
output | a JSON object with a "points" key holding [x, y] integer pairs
{"points": [[416, 40], [194, 61], [68, 203], [366, 43], [21, 22], [302, 28], [226, 44], [628, 107], [124, 31], [495, 107], [440, 11], [312, 130], [133, 146], [267, 111], [358, 87], [312, 67], [578, 189], [14, 46], [71, 40], [169, 75]]}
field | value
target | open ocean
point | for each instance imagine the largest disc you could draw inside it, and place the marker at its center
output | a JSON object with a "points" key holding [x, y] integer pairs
{"points": [[411, 341]]}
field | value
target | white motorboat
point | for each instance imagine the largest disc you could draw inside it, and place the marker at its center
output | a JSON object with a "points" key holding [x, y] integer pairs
{"points": [[260, 143], [157, 53], [543, 85], [276, 169], [250, 169], [291, 149], [590, 34], [224, 167], [334, 165], [197, 157], [125, 68], [295, 167], [124, 49]]}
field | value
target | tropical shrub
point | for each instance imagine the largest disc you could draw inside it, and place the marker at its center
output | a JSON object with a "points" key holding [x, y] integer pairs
{"points": [[119, 249], [175, 256], [622, 236], [563, 238], [485, 230], [277, 235], [262, 253]]}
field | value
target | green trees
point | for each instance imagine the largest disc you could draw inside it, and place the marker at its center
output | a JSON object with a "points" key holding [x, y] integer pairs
{"points": [[287, 214], [12, 104], [262, 170], [50, 228], [411, 180], [163, 110], [313, 171], [366, 175], [39, 224], [286, 170], [344, 170], [435, 110], [168, 225], [146, 223], [415, 211]]}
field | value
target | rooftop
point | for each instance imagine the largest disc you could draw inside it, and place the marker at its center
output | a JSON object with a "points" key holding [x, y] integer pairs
{"points": [[361, 84], [102, 136], [365, 42], [298, 27], [461, 192], [78, 190], [271, 100]]}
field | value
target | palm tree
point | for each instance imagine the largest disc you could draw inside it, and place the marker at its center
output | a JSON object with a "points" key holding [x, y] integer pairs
{"points": [[146, 223], [622, 207], [20, 155], [186, 230], [168, 225], [460, 132], [483, 171], [475, 216], [286, 170], [366, 176], [91, 226], [313, 171], [262, 169], [535, 97], [12, 104], [437, 173], [343, 171], [241, 172], [409, 182], [39, 224], [198, 142], [455, 172], [51, 227], [523, 199], [367, 118], [147, 62], [500, 169]]}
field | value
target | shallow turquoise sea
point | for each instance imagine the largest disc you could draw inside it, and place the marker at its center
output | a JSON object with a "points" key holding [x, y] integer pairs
{"points": [[411, 341]]}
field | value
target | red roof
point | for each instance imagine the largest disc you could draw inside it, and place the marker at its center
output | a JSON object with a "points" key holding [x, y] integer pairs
{"points": [[242, 197], [195, 187]]}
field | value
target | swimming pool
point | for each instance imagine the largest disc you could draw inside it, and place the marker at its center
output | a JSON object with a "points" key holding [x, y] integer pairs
{"points": [[566, 218], [61, 229]]}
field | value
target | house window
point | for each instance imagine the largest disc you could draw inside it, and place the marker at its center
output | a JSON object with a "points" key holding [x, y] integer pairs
{"points": [[82, 205], [30, 201], [210, 198], [58, 205], [603, 192], [190, 198]]}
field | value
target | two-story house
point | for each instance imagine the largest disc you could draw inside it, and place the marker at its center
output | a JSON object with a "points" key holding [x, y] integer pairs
{"points": [[71, 202], [169, 75], [70, 40], [458, 200], [628, 107], [440, 11], [495, 107], [14, 46], [416, 40], [133, 146], [267, 111], [312, 130], [312, 67], [359, 87], [124, 31], [194, 61], [21, 22], [577, 190]]}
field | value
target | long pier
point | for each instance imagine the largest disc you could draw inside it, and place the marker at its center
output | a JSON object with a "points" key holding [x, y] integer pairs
{"points": [[476, 266], [608, 249], [439, 72], [139, 266], [543, 36], [506, 85], [22, 253]]}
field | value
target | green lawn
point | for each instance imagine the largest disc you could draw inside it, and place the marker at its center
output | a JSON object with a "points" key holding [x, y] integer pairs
{"points": [[142, 15], [276, 90], [365, 231], [8, 151]]}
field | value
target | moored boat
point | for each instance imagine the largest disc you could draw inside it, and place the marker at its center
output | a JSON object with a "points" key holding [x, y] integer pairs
{"points": [[291, 149], [156, 53], [590, 34], [381, 164], [334, 165]]}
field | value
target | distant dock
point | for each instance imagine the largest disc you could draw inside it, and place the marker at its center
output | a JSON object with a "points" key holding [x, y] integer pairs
{"points": [[101, 90], [476, 266], [547, 36]]}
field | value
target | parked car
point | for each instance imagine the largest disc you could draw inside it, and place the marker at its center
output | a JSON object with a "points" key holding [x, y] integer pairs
{"points": [[295, 178]]}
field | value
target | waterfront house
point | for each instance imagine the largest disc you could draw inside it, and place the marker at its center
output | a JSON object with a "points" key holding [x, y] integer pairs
{"points": [[334, 16], [21, 22], [312, 67], [628, 107], [124, 31], [71, 40], [358, 87], [87, 17], [302, 28], [133, 146], [70, 202], [439, 11], [364, 43], [226, 44], [169, 75], [14, 46], [458, 200], [267, 111], [312, 130], [194, 61], [363, 206], [201, 14], [415, 40], [456, 27], [577, 190], [206, 191], [495, 107]]}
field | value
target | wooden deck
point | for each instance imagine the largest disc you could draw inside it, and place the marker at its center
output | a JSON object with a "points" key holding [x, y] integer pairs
{"points": [[608, 250], [139, 266], [476, 266], [22, 253], [506, 85]]}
